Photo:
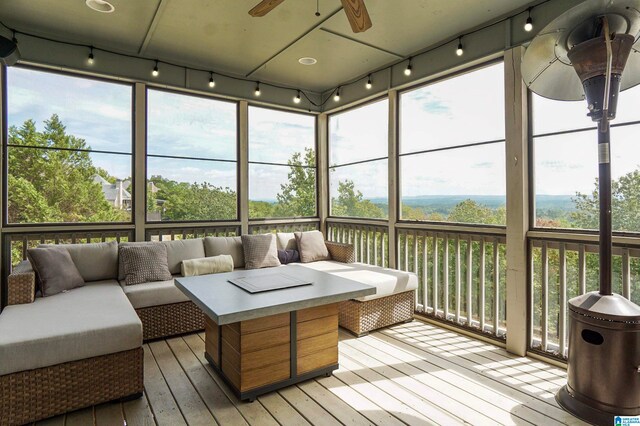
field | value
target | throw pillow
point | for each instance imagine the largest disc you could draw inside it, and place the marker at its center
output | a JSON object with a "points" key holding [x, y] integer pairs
{"points": [[144, 263], [288, 256], [55, 270], [207, 265], [311, 246], [260, 251]]}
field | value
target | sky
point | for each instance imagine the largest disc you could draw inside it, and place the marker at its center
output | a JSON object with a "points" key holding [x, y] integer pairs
{"points": [[464, 109]]}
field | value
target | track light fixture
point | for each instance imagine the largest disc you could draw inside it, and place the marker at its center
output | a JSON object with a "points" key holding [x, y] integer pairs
{"points": [[528, 26], [297, 99], [336, 97], [407, 70], [369, 85], [212, 83], [90, 58], [257, 92], [459, 50], [156, 71]]}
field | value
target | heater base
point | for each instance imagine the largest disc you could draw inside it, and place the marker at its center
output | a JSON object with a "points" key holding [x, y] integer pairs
{"points": [[584, 411]]}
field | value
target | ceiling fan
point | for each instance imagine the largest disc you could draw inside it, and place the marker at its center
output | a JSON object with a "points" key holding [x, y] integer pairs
{"points": [[355, 10]]}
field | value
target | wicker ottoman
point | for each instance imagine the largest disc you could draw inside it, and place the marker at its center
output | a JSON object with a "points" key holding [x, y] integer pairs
{"points": [[362, 317]]}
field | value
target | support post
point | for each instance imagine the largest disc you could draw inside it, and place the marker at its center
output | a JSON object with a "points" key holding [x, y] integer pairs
{"points": [[322, 175], [604, 191], [243, 165], [394, 189], [140, 161], [517, 178]]}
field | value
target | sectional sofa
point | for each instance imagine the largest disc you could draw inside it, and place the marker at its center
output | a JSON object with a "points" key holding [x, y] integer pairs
{"points": [[84, 346]]}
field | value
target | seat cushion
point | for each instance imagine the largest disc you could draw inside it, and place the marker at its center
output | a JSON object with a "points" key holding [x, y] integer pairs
{"points": [[154, 294], [215, 246], [387, 281], [85, 322], [95, 261]]}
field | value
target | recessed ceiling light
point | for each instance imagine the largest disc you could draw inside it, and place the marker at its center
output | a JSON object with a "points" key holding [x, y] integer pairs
{"points": [[100, 6], [308, 61]]}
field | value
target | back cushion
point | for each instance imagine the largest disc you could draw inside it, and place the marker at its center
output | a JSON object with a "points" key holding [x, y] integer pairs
{"points": [[286, 241], [95, 261], [121, 274], [215, 246], [179, 250]]}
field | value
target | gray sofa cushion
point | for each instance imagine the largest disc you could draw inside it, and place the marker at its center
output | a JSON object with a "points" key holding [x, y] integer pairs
{"points": [[286, 241], [386, 281], [311, 246], [145, 263], [260, 251], [177, 251], [95, 261], [215, 246], [55, 271], [85, 322], [154, 294]]}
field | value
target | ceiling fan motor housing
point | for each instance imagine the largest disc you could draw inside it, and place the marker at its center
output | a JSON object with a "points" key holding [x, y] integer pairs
{"points": [[589, 60]]}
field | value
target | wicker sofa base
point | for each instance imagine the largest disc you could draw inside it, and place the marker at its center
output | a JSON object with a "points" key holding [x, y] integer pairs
{"points": [[32, 395], [170, 320], [362, 317]]}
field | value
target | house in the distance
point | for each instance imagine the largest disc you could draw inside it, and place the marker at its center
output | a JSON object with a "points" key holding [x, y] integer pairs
{"points": [[115, 193]]}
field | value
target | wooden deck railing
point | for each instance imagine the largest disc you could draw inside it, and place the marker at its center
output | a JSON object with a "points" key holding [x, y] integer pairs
{"points": [[370, 239], [565, 266], [461, 276], [284, 225], [183, 233]]}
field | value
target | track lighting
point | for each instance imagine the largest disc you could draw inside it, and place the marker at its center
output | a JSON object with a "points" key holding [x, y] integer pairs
{"points": [[155, 71], [368, 85], [297, 99], [528, 26], [336, 97], [459, 50], [90, 58], [212, 83], [407, 70], [257, 91]]}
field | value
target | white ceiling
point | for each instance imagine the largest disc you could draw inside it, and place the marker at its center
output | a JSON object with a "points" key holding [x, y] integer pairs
{"points": [[221, 36]]}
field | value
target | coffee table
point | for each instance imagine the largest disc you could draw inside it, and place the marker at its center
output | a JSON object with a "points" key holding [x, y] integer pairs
{"points": [[265, 341]]}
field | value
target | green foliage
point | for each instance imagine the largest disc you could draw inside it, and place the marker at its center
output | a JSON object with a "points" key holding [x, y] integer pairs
{"points": [[298, 194], [469, 211], [625, 205], [48, 185], [351, 203]]}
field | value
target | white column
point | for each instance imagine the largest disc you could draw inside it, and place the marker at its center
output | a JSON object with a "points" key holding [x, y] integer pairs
{"points": [[322, 172], [243, 163], [517, 176], [394, 189], [140, 162]]}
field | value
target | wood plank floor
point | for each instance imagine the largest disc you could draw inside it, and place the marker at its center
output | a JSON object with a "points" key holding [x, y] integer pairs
{"points": [[413, 374]]}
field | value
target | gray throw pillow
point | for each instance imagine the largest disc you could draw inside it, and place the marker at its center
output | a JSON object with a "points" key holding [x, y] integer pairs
{"points": [[144, 263], [260, 251], [311, 246], [55, 270]]}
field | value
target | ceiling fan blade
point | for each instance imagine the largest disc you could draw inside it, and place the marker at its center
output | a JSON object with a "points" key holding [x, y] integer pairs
{"points": [[357, 15], [264, 7]]}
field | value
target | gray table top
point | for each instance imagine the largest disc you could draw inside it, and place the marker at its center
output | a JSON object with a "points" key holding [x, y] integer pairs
{"points": [[226, 303]]}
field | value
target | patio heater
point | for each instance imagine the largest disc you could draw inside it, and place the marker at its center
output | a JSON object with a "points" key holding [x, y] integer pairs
{"points": [[588, 52]]}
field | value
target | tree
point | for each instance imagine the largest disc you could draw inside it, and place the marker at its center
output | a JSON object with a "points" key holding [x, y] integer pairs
{"points": [[298, 194], [51, 179], [469, 211], [625, 205], [350, 202]]}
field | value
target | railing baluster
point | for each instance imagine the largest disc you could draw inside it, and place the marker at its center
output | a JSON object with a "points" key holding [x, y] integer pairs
{"points": [[445, 273], [368, 231], [375, 247], [496, 288], [436, 278], [582, 270], [415, 252], [425, 273], [626, 274], [469, 281], [482, 283], [562, 326], [545, 295], [406, 250], [531, 292], [362, 249], [458, 279]]}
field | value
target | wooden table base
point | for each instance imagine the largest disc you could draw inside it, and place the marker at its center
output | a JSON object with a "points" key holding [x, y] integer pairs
{"points": [[265, 354]]}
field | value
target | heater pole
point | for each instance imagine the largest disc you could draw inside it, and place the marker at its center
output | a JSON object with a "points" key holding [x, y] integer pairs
{"points": [[604, 192]]}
